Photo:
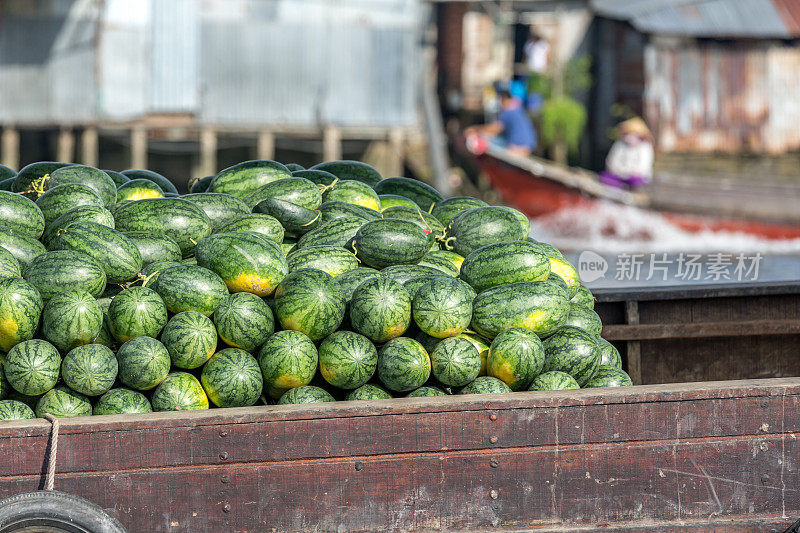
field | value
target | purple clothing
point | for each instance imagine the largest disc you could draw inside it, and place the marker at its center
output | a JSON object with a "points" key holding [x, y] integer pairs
{"points": [[631, 182]]}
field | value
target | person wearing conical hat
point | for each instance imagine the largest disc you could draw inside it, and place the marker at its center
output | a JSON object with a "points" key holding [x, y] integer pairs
{"points": [[629, 163]]}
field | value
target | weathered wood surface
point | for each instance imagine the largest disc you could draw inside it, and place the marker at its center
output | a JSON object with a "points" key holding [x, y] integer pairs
{"points": [[701, 456]]}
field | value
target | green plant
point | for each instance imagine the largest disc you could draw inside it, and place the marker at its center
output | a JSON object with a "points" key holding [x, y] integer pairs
{"points": [[563, 121]]}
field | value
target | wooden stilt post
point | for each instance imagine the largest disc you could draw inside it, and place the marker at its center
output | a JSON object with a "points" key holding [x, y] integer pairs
{"points": [[266, 145], [90, 153], [208, 151], [396, 153], [331, 143], [66, 146], [138, 147], [10, 147]]}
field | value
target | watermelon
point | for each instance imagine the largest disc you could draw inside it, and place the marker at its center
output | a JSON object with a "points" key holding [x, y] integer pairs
{"points": [[334, 260], [32, 367], [28, 180], [574, 351], [320, 177], [136, 312], [14, 410], [244, 321], [332, 210], [90, 369], [199, 185], [535, 305], [404, 273], [190, 338], [380, 309], [177, 218], [351, 279], [58, 200], [7, 183], [427, 223], [154, 247], [554, 380], [447, 209], [305, 394], [516, 356], [150, 272], [82, 213], [116, 253], [441, 263], [392, 200], [288, 359], [71, 318], [415, 284], [22, 246], [425, 392], [60, 270], [482, 346], [21, 214], [564, 269], [403, 364], [139, 173], [7, 173], [367, 392], [246, 262], [122, 401], [353, 192], [20, 310], [443, 307], [548, 249], [288, 246], [139, 189], [117, 177], [420, 193], [582, 317], [180, 391], [94, 178], [298, 191], [232, 378], [390, 241], [609, 376], [584, 297], [260, 223], [309, 301], [243, 178], [503, 263], [524, 221], [347, 360], [609, 355], [455, 362], [485, 385], [62, 402], [350, 170], [191, 288], [337, 232], [427, 342], [558, 283], [481, 226], [219, 208], [143, 363], [293, 167], [5, 388]]}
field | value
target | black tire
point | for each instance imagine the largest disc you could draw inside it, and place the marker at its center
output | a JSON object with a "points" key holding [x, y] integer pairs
{"points": [[54, 512]]}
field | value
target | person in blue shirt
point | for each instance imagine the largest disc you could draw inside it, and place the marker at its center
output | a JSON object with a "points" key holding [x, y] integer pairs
{"points": [[513, 128]]}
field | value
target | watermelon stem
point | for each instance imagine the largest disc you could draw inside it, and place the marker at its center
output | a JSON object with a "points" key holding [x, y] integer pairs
{"points": [[325, 188], [37, 186], [448, 243]]}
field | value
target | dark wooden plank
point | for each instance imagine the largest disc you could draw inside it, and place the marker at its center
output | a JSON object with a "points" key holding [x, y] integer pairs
{"points": [[633, 350], [717, 290], [701, 330]]}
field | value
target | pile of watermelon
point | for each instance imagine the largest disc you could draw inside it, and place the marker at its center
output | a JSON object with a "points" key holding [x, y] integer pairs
{"points": [[273, 283]]}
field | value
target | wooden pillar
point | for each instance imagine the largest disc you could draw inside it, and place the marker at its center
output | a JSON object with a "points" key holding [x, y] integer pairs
{"points": [[208, 151], [634, 348], [90, 153], [66, 146], [396, 153], [266, 145], [10, 147], [331, 143], [139, 147]]}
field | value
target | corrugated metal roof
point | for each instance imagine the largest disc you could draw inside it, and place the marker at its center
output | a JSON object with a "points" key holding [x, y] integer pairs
{"points": [[707, 18]]}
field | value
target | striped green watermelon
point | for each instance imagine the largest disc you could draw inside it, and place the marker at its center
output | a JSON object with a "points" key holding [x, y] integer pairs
{"points": [[347, 360], [293, 167], [583, 297], [58, 200], [350, 170], [447, 209], [535, 305], [554, 380], [9, 266], [333, 209], [427, 342], [140, 173], [244, 321], [485, 385], [219, 208], [265, 225], [482, 345], [455, 362], [420, 193], [7, 183], [199, 185], [368, 392], [380, 309], [190, 338], [609, 355], [246, 262], [582, 317], [32, 367], [558, 283], [22, 246], [177, 218], [547, 248], [305, 394], [390, 241], [71, 318], [154, 247], [82, 213], [151, 271], [116, 253], [337, 232], [94, 178], [20, 310], [429, 224], [295, 219], [443, 307], [403, 364], [139, 189], [63, 403], [60, 270], [320, 177], [14, 410], [5, 388], [392, 200], [180, 391], [28, 179], [232, 378], [503, 263], [609, 376], [90, 369], [574, 351], [288, 246], [524, 221], [415, 284], [21, 214], [481, 226], [191, 288], [331, 259], [351, 279], [288, 359], [117, 177], [516, 356], [441, 263], [298, 191], [122, 401], [7, 172], [143, 363], [353, 192], [136, 312], [566, 271], [309, 301], [423, 392], [243, 178], [404, 273]]}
